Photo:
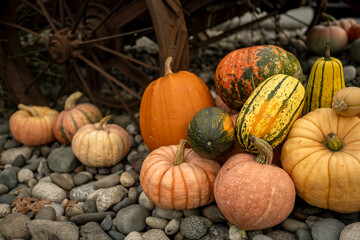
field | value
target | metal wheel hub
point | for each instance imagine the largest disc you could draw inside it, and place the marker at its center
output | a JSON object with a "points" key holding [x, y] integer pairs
{"points": [[60, 45]]}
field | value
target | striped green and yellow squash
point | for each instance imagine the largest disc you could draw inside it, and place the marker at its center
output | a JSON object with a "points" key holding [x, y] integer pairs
{"points": [[270, 111], [326, 78], [211, 132]]}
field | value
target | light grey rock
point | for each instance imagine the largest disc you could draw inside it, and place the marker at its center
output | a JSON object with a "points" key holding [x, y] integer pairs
{"points": [[59, 209], [24, 175], [46, 213], [74, 210], [166, 214], [8, 156], [213, 213], [13, 226], [5, 210], [193, 227], [50, 191], [108, 181], [173, 226], [81, 192], [127, 180], [134, 235], [93, 231], [281, 235], [131, 218], [303, 234], [62, 160], [109, 197], [45, 229], [156, 223], [145, 201], [349, 73], [292, 225], [62, 181], [351, 232], [155, 234], [327, 229]]}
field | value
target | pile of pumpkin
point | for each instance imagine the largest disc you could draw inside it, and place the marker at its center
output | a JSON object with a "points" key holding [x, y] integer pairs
{"points": [[341, 32], [94, 142], [263, 140]]}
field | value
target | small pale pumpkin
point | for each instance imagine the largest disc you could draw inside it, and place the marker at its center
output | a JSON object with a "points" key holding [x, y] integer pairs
{"points": [[322, 155], [32, 125], [101, 144], [175, 177], [346, 101], [252, 193], [73, 117]]}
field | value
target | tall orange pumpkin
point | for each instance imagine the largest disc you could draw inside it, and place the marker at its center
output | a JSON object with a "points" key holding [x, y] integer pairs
{"points": [[168, 104]]}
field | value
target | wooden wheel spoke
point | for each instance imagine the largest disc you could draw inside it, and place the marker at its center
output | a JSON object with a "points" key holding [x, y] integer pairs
{"points": [[39, 75], [121, 55], [23, 29], [84, 83], [27, 53], [61, 11], [79, 16], [107, 75], [47, 16]]}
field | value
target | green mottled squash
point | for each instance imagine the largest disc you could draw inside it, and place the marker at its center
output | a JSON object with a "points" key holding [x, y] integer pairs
{"points": [[211, 132], [270, 111], [240, 71], [326, 78]]}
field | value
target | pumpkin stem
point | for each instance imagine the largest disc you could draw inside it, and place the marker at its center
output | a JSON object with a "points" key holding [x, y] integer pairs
{"points": [[71, 100], [327, 51], [328, 17], [333, 142], [103, 125], [266, 154], [29, 109], [168, 62], [297, 73], [179, 155]]}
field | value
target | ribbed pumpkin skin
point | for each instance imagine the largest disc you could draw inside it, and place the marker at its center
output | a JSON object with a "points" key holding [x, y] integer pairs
{"points": [[211, 132], [184, 186], [101, 148], [346, 101], [33, 130], [167, 106], [324, 178], [326, 78], [270, 111], [69, 121], [235, 72]]}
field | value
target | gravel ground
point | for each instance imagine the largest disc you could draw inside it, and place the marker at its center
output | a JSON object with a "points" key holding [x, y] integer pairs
{"points": [[45, 193]]}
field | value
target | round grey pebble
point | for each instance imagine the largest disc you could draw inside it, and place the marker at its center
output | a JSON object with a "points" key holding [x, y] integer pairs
{"points": [[50, 191], [173, 226], [3, 189], [234, 233], [134, 235], [5, 209], [82, 178], [123, 203], [106, 224], [327, 229], [108, 181], [145, 201], [131, 218], [281, 234], [351, 232], [292, 225], [193, 227], [127, 180], [156, 223], [61, 181], [303, 234], [213, 213], [166, 214], [349, 73], [14, 226], [155, 234], [116, 235], [46, 213], [91, 229], [311, 220], [261, 237]]}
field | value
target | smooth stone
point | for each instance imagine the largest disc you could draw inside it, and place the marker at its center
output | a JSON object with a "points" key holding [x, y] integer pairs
{"points": [[281, 235], [46, 213], [5, 209], [24, 175], [43, 167], [191, 212], [193, 227], [156, 223], [19, 161], [93, 231], [32, 166], [81, 192], [116, 235], [349, 73], [123, 203], [311, 220], [351, 232], [261, 237], [109, 197], [8, 177], [45, 150], [292, 225], [127, 179], [327, 229], [155, 234], [234, 233], [82, 178], [133, 193], [145, 201], [167, 214], [50, 191], [217, 232], [303, 234], [90, 206], [90, 217], [59, 209], [104, 171], [44, 229], [62, 181], [213, 213], [8, 156], [106, 223], [3, 189], [74, 210], [118, 168], [7, 198], [12, 143], [131, 218], [32, 182], [173, 226], [108, 181], [134, 235], [62, 160], [13, 226]]}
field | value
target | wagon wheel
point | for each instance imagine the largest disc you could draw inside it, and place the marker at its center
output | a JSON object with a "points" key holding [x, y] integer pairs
{"points": [[84, 43]]}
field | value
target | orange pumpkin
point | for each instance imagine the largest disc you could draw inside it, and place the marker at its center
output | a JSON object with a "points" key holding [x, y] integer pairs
{"points": [[168, 104], [74, 117], [32, 125], [101, 144], [175, 177], [251, 193]]}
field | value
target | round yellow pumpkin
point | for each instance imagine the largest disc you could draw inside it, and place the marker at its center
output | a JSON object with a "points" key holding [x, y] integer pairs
{"points": [[322, 156]]}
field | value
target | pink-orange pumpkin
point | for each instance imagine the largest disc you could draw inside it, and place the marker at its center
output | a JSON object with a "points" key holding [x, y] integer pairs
{"points": [[252, 193], [74, 117]]}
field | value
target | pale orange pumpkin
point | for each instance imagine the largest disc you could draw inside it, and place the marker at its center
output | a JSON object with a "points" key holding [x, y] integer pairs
{"points": [[346, 101], [175, 177], [168, 104], [73, 117], [322, 156], [252, 193], [32, 125], [101, 144]]}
